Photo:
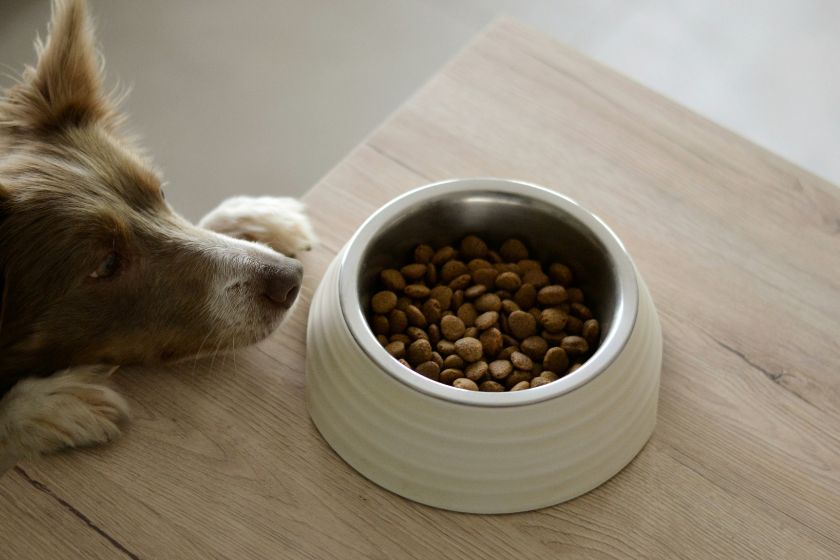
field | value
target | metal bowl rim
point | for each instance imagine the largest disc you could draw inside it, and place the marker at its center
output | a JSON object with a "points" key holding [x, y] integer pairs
{"points": [[610, 349]]}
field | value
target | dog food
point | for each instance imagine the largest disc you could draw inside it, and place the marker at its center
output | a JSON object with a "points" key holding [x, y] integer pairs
{"points": [[481, 319]]}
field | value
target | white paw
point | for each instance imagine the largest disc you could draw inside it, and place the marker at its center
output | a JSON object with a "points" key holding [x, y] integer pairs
{"points": [[280, 223], [72, 408]]}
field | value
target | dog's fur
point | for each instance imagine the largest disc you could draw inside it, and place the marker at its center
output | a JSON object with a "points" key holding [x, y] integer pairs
{"points": [[95, 267]]}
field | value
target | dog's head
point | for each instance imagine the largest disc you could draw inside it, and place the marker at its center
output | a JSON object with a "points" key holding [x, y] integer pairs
{"points": [[94, 264]]}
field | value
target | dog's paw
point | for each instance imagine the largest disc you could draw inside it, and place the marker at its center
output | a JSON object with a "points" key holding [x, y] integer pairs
{"points": [[73, 408], [280, 223]]}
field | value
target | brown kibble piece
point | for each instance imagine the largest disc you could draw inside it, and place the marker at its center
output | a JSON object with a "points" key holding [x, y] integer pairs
{"points": [[508, 281], [476, 264], [509, 306], [488, 302], [416, 333], [500, 369], [469, 348], [473, 247], [574, 325], [560, 274], [550, 375], [507, 351], [383, 340], [403, 303], [513, 250], [452, 270], [486, 320], [461, 282], [419, 351], [416, 291], [431, 274], [553, 320], [534, 347], [467, 314], [466, 384], [457, 299], [383, 302], [380, 325], [591, 331], [581, 311], [392, 279], [471, 332], [536, 278], [398, 321], [474, 291], [443, 294], [436, 358], [554, 339], [413, 271], [526, 296], [445, 347], [529, 264], [521, 361], [521, 386], [485, 276], [539, 381], [476, 370], [491, 342], [396, 349], [434, 334], [404, 363], [453, 361], [574, 345], [400, 338], [415, 316], [491, 386], [429, 369], [574, 367], [522, 324], [431, 310], [575, 295], [443, 255], [449, 375], [452, 328], [552, 295], [556, 360], [423, 253]]}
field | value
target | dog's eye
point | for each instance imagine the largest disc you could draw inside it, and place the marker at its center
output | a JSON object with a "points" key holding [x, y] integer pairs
{"points": [[107, 267]]}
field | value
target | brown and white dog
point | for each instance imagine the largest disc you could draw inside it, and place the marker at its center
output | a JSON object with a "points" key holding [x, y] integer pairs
{"points": [[97, 270]]}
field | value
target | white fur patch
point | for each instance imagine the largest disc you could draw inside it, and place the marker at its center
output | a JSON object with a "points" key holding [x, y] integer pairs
{"points": [[280, 223], [72, 408]]}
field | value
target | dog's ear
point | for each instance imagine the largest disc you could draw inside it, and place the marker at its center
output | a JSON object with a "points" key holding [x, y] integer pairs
{"points": [[4, 195], [65, 86]]}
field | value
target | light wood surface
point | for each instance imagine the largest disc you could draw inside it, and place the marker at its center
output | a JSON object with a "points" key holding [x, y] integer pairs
{"points": [[741, 251]]}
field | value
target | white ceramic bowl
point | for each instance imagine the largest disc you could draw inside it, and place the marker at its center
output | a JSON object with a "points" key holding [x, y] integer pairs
{"points": [[474, 451]]}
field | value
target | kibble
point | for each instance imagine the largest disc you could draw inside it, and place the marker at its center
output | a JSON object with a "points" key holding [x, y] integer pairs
{"points": [[481, 319], [522, 324], [419, 351], [470, 349], [383, 302], [464, 383], [392, 279]]}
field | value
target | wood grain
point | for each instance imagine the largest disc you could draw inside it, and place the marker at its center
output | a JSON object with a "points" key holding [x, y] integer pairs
{"points": [[741, 251]]}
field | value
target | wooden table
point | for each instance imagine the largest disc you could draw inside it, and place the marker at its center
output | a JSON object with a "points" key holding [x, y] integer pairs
{"points": [[741, 251]]}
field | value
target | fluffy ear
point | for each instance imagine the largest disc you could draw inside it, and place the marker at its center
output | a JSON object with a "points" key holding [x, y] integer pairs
{"points": [[3, 283], [65, 87]]}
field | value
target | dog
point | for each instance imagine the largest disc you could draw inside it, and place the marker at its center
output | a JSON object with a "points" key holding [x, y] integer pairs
{"points": [[97, 270]]}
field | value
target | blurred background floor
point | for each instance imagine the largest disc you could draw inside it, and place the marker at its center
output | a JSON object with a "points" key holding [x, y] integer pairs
{"points": [[265, 96]]}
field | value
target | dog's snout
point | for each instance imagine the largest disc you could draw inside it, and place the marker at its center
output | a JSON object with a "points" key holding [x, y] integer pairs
{"points": [[283, 282]]}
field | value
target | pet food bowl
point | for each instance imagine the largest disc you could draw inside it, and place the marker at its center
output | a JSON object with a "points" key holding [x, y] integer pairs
{"points": [[472, 451]]}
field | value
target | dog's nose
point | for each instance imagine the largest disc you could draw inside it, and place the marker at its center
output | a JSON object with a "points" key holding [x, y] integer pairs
{"points": [[283, 282]]}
